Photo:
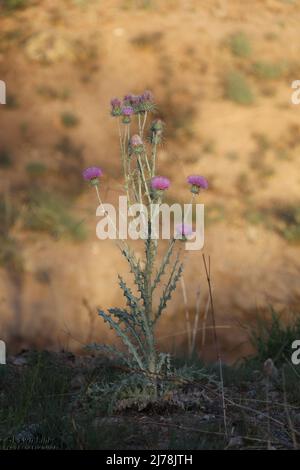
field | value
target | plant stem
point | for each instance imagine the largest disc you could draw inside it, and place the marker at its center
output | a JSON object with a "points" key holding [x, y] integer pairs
{"points": [[207, 272], [154, 150]]}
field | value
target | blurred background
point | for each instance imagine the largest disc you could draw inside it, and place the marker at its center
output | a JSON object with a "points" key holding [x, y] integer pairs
{"points": [[221, 72]]}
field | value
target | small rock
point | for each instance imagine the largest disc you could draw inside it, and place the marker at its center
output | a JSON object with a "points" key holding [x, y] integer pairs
{"points": [[235, 442]]}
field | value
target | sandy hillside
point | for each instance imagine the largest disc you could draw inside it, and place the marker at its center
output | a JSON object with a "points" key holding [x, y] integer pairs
{"points": [[221, 72]]}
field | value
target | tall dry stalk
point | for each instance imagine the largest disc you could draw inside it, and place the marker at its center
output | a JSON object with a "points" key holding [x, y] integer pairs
{"points": [[216, 341]]}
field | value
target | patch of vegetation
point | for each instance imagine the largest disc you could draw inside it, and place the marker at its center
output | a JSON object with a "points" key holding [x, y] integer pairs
{"points": [[283, 154], [11, 101], [209, 146], [273, 335], [137, 4], [36, 169], [6, 160], [8, 213], [11, 5], [179, 123], [10, 255], [262, 141], [69, 119], [47, 91], [289, 221], [240, 45], [68, 148], [50, 213], [268, 70], [47, 401], [243, 184], [147, 39], [38, 398], [237, 89], [232, 155], [255, 217]]}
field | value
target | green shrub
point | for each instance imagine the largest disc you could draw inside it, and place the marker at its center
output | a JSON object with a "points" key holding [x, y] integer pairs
{"points": [[237, 89], [50, 213], [69, 119], [68, 148], [240, 45], [5, 159], [13, 4], [11, 101], [8, 214], [290, 216], [36, 168], [10, 255], [273, 337], [268, 71]]}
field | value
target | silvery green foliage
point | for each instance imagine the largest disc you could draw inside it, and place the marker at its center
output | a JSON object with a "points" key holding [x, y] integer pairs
{"points": [[135, 323], [180, 389]]}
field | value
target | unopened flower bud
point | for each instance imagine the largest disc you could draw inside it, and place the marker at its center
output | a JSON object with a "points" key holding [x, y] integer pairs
{"points": [[116, 107], [136, 145]]}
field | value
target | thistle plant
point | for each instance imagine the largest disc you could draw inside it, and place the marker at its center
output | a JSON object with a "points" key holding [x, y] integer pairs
{"points": [[136, 323]]}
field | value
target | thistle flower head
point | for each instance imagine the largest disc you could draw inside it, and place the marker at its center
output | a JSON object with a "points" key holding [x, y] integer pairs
{"points": [[127, 99], [160, 183], [156, 131], [116, 107], [136, 140], [136, 144], [127, 112], [183, 231], [92, 174], [198, 182], [146, 102], [147, 96]]}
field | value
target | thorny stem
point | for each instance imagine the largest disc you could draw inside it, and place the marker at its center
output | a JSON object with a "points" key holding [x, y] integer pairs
{"points": [[154, 149], [124, 156], [148, 290], [190, 207]]}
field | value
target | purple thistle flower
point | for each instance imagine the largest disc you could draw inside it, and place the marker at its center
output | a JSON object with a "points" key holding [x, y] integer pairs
{"points": [[147, 96], [127, 111], [146, 102], [198, 182], [184, 230], [115, 102], [127, 98], [134, 100], [160, 183], [92, 174]]}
